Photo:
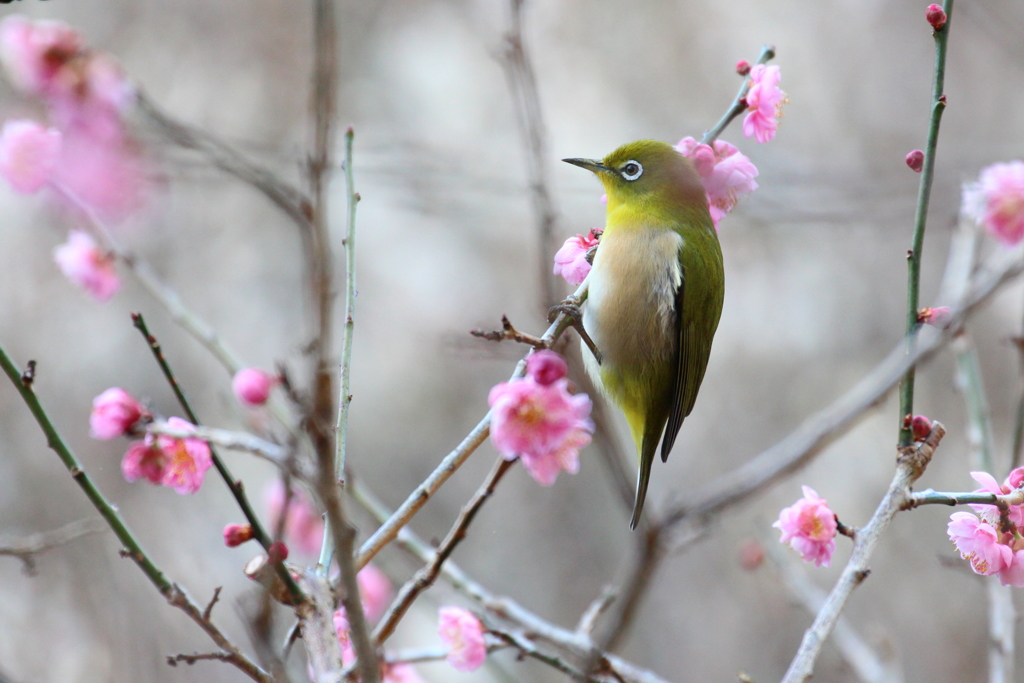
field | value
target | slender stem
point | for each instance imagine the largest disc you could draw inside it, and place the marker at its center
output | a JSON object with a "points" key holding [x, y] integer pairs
{"points": [[451, 462], [951, 498], [910, 466], [739, 104], [27, 547], [924, 192], [171, 591], [426, 576], [234, 485], [101, 504], [345, 399]]}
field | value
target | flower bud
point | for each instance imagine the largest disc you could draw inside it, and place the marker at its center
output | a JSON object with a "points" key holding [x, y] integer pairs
{"points": [[277, 552], [940, 316], [546, 367], [936, 16], [743, 67], [114, 413], [237, 534], [915, 160], [252, 386], [920, 425]]}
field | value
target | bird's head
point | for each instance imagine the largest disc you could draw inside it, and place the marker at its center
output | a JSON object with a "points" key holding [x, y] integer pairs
{"points": [[648, 172]]}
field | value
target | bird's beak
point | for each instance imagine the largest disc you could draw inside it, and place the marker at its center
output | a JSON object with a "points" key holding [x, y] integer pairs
{"points": [[589, 164]]}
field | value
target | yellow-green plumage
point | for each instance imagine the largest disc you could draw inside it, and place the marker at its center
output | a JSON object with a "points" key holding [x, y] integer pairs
{"points": [[654, 294]]}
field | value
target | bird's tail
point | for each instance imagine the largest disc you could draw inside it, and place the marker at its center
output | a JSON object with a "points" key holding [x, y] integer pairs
{"points": [[651, 437]]}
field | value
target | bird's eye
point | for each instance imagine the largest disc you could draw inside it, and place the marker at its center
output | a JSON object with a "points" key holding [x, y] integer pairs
{"points": [[632, 170]]}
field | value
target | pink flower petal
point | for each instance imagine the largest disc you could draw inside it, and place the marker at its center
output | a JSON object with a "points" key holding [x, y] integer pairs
{"points": [[463, 633], [82, 262]]}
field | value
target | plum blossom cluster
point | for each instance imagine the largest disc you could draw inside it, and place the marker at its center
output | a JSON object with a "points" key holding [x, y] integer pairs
{"points": [[992, 544], [996, 201], [178, 463], [809, 527], [85, 153], [726, 173], [537, 419], [89, 154]]}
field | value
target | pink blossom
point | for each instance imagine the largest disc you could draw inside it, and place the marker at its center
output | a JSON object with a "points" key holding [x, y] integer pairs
{"points": [[997, 201], [939, 316], [990, 513], [978, 542], [144, 460], [463, 633], [237, 534], [543, 425], [113, 414], [809, 526], [764, 100], [1013, 573], [376, 591], [187, 460], [936, 16], [726, 174], [546, 367], [571, 259], [82, 262], [400, 673], [1015, 478], [304, 527], [28, 154], [743, 67], [252, 386], [915, 160], [35, 53]]}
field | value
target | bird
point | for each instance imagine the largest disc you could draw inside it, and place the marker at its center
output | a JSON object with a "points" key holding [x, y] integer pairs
{"points": [[655, 295]]}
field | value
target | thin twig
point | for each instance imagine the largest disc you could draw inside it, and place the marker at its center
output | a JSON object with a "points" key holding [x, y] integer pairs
{"points": [[596, 609], [234, 485], [930, 497], [345, 399], [213, 601], [451, 462], [522, 84], [576, 644], [508, 332], [868, 665], [191, 659], [426, 576], [821, 429], [909, 467], [527, 647], [288, 198], [240, 441], [921, 216], [174, 594], [27, 547], [739, 103]]}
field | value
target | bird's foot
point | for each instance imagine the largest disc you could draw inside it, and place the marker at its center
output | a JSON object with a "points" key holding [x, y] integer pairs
{"points": [[571, 309]]}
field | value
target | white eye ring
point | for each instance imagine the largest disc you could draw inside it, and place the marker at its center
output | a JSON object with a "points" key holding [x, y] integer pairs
{"points": [[631, 170]]}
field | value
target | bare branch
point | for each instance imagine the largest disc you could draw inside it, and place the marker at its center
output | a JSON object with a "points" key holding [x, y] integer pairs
{"points": [[910, 466], [426, 576], [27, 547], [868, 665]]}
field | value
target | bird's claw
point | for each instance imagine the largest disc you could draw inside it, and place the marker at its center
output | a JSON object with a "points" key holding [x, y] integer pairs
{"points": [[571, 309]]}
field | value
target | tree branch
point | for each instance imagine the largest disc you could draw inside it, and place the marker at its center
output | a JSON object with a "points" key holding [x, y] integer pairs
{"points": [[27, 547]]}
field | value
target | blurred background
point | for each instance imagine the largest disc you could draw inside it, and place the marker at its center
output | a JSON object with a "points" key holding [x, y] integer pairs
{"points": [[816, 279]]}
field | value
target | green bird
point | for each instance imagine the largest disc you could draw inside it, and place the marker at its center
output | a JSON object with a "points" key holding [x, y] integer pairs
{"points": [[655, 294]]}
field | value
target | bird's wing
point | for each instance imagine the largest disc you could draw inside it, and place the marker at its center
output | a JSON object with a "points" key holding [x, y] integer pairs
{"points": [[693, 347]]}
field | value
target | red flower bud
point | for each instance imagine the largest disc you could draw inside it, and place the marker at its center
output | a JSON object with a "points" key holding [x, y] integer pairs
{"points": [[743, 67], [921, 426], [936, 16], [915, 160], [277, 552], [546, 367], [237, 534]]}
